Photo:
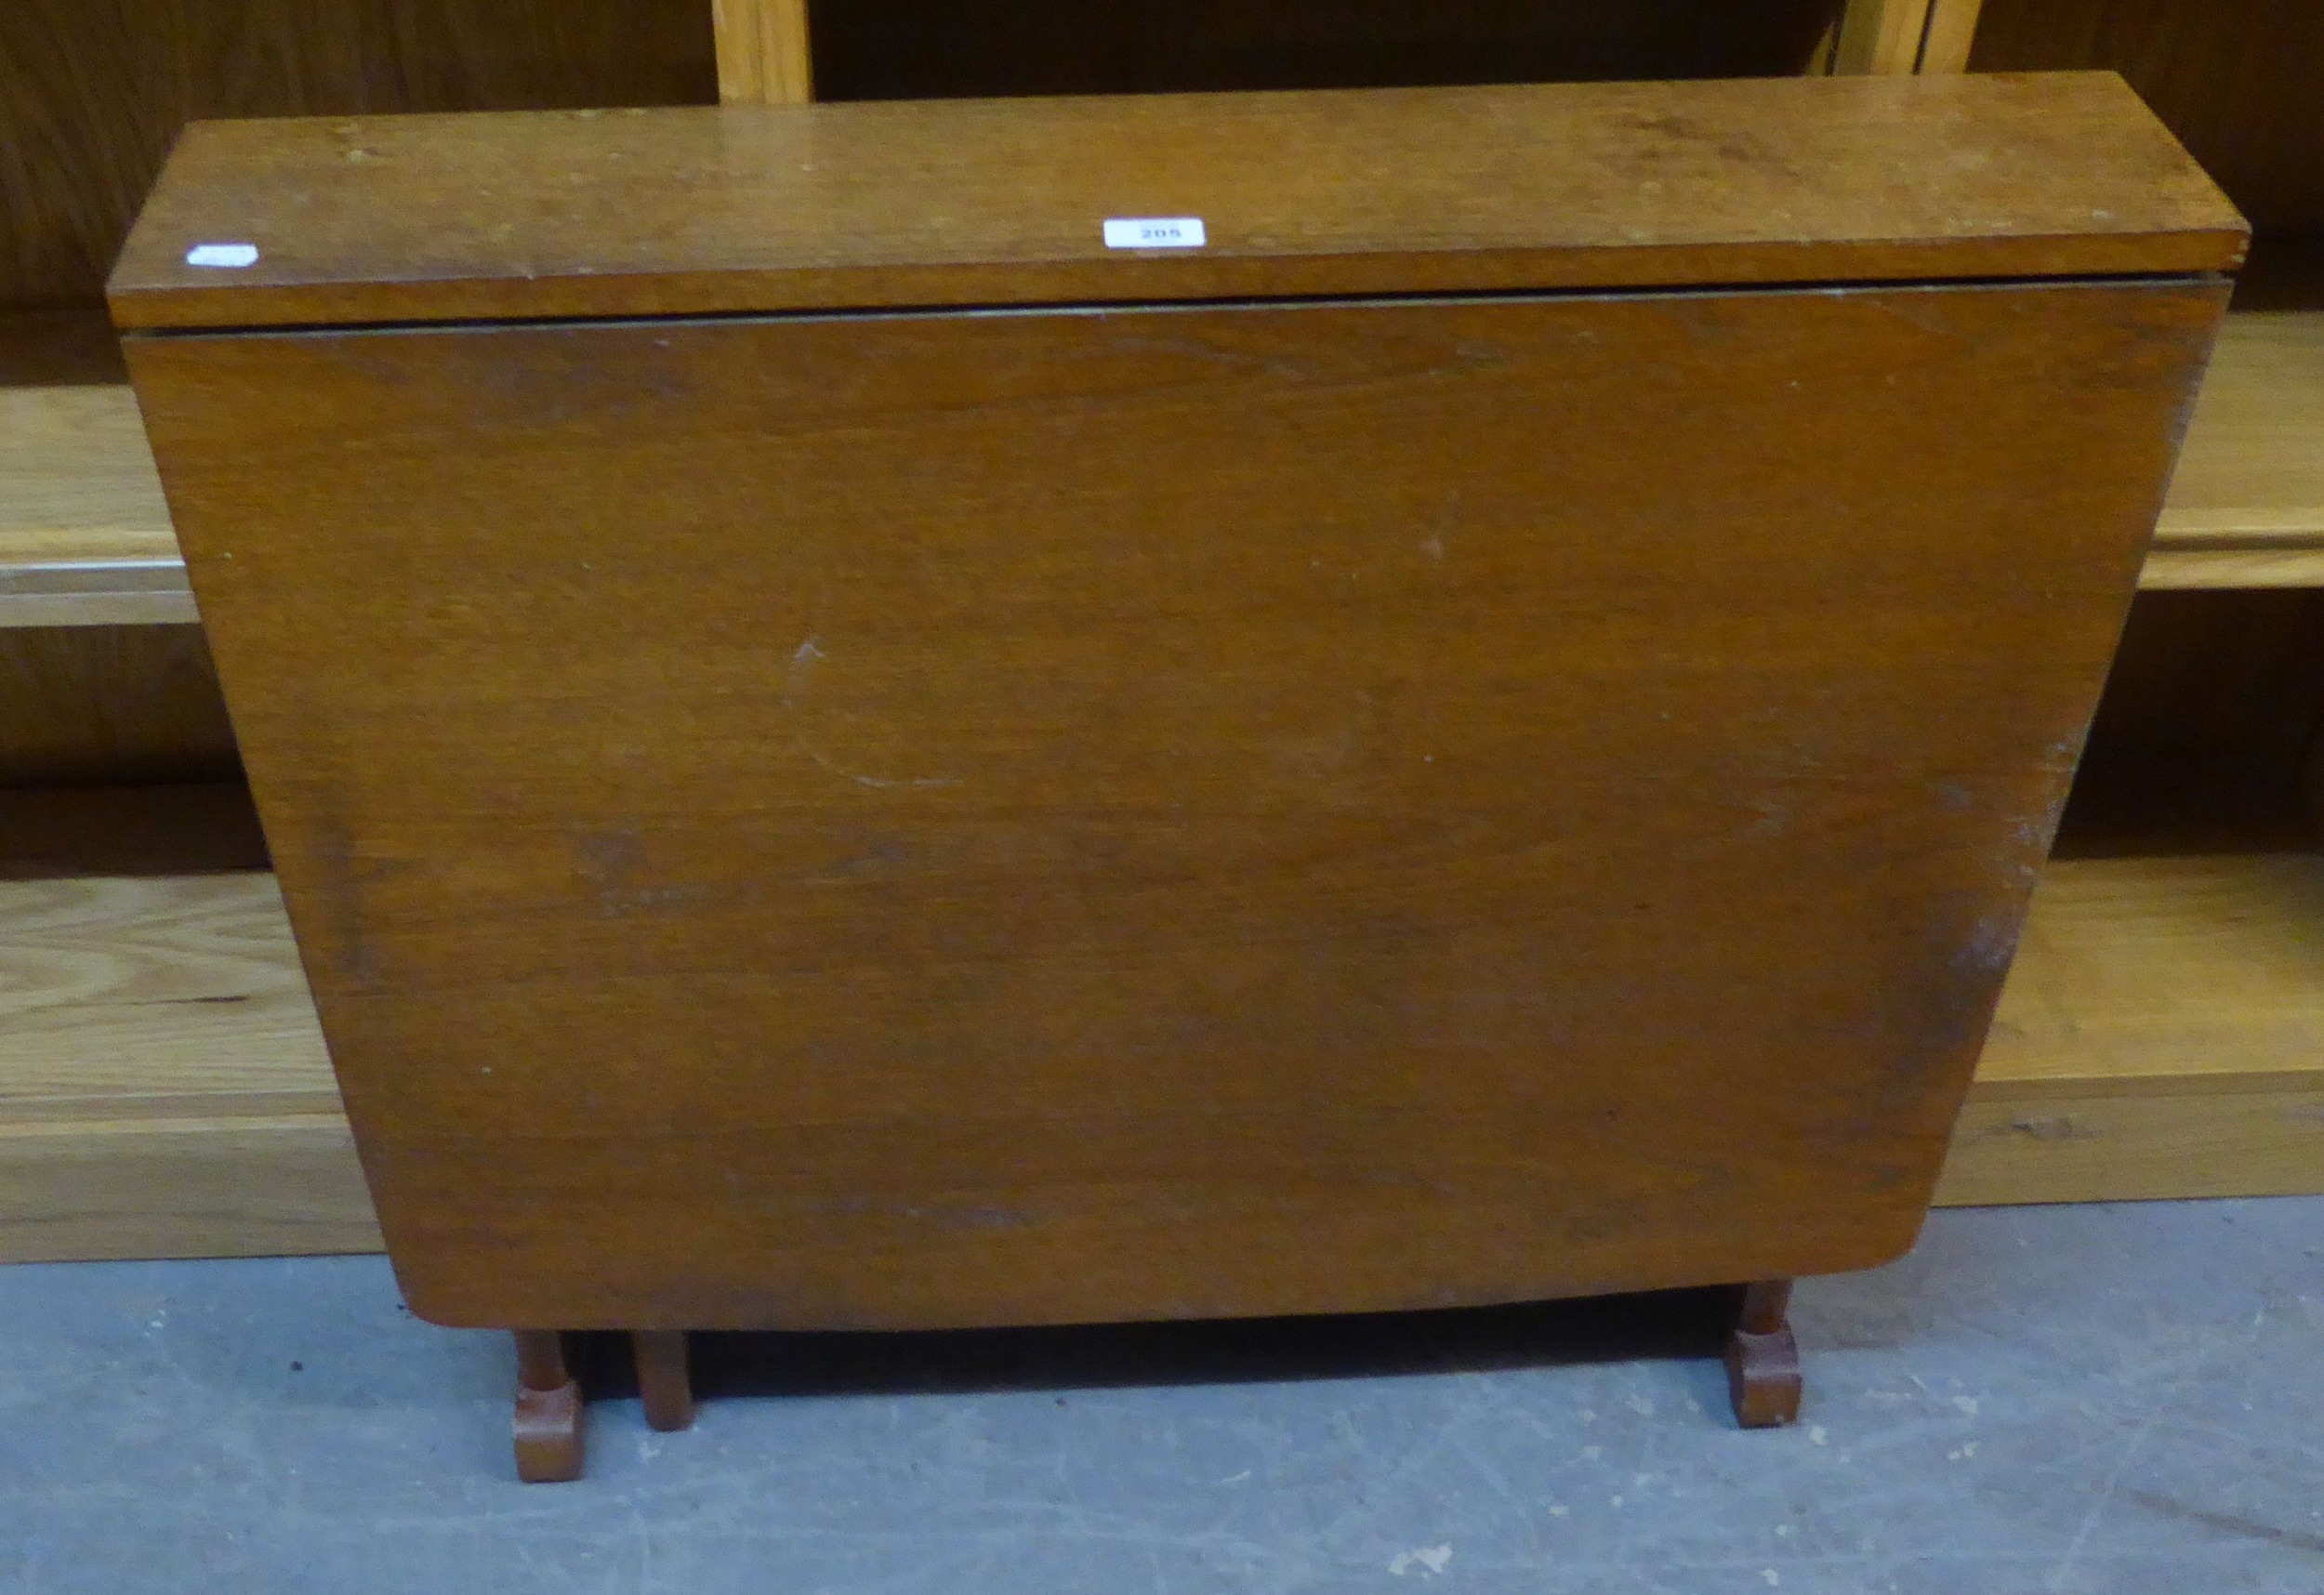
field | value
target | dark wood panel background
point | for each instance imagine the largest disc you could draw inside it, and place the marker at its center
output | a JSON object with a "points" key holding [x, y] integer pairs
{"points": [[2241, 81], [2208, 732], [93, 91], [880, 49], [81, 706]]}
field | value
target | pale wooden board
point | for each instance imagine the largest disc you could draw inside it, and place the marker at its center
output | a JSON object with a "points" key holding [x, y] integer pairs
{"points": [[763, 54], [2172, 974], [2253, 466], [2133, 1148], [131, 998], [164, 1088], [2247, 506], [267, 1186], [85, 538], [1952, 28], [2291, 566], [1881, 38]]}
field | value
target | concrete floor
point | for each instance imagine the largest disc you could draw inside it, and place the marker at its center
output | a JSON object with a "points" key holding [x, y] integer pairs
{"points": [[2123, 1399]]}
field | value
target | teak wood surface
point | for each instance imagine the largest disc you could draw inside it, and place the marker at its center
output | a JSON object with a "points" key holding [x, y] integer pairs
{"points": [[746, 209], [933, 819]]}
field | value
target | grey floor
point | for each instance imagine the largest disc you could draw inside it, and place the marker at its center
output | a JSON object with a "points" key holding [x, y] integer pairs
{"points": [[2122, 1399]]}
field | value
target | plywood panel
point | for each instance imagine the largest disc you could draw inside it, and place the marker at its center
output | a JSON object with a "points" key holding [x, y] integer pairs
{"points": [[93, 91], [129, 997], [2252, 475]]}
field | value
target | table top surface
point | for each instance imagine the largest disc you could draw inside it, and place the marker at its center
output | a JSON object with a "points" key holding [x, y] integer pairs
{"points": [[983, 202]]}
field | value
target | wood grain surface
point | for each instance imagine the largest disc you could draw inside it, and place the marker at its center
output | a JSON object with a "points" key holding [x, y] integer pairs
{"points": [[2129, 1148], [85, 538], [163, 1090], [764, 56], [92, 92], [2198, 973], [2253, 471], [1382, 191], [2241, 81], [904, 820], [133, 997]]}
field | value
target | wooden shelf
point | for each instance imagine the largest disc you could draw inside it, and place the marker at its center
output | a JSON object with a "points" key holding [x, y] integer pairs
{"points": [[2161, 1035], [2247, 507], [85, 538], [165, 1090]]}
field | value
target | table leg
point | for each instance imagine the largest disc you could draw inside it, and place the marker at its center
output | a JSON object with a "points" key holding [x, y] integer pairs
{"points": [[1763, 1359], [662, 1377], [549, 1410]]}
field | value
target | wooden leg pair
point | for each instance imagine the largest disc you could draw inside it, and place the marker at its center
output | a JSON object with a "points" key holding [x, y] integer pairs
{"points": [[549, 1401], [1762, 1378]]}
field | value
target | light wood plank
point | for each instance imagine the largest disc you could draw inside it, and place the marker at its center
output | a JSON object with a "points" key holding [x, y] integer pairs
{"points": [[122, 998], [1881, 37], [1952, 28], [2246, 507], [265, 1186], [763, 54], [163, 1090], [2298, 565], [2178, 974], [2134, 1148], [85, 538], [2253, 467]]}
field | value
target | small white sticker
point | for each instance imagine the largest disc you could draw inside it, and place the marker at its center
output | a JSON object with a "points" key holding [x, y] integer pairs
{"points": [[222, 255], [1154, 232]]}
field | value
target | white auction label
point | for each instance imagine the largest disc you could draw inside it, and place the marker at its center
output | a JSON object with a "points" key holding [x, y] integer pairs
{"points": [[1154, 232], [222, 255]]}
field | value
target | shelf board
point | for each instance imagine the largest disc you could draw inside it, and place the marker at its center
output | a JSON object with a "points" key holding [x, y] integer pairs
{"points": [[165, 1091], [2207, 971], [85, 538], [2161, 1035], [2247, 506]]}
